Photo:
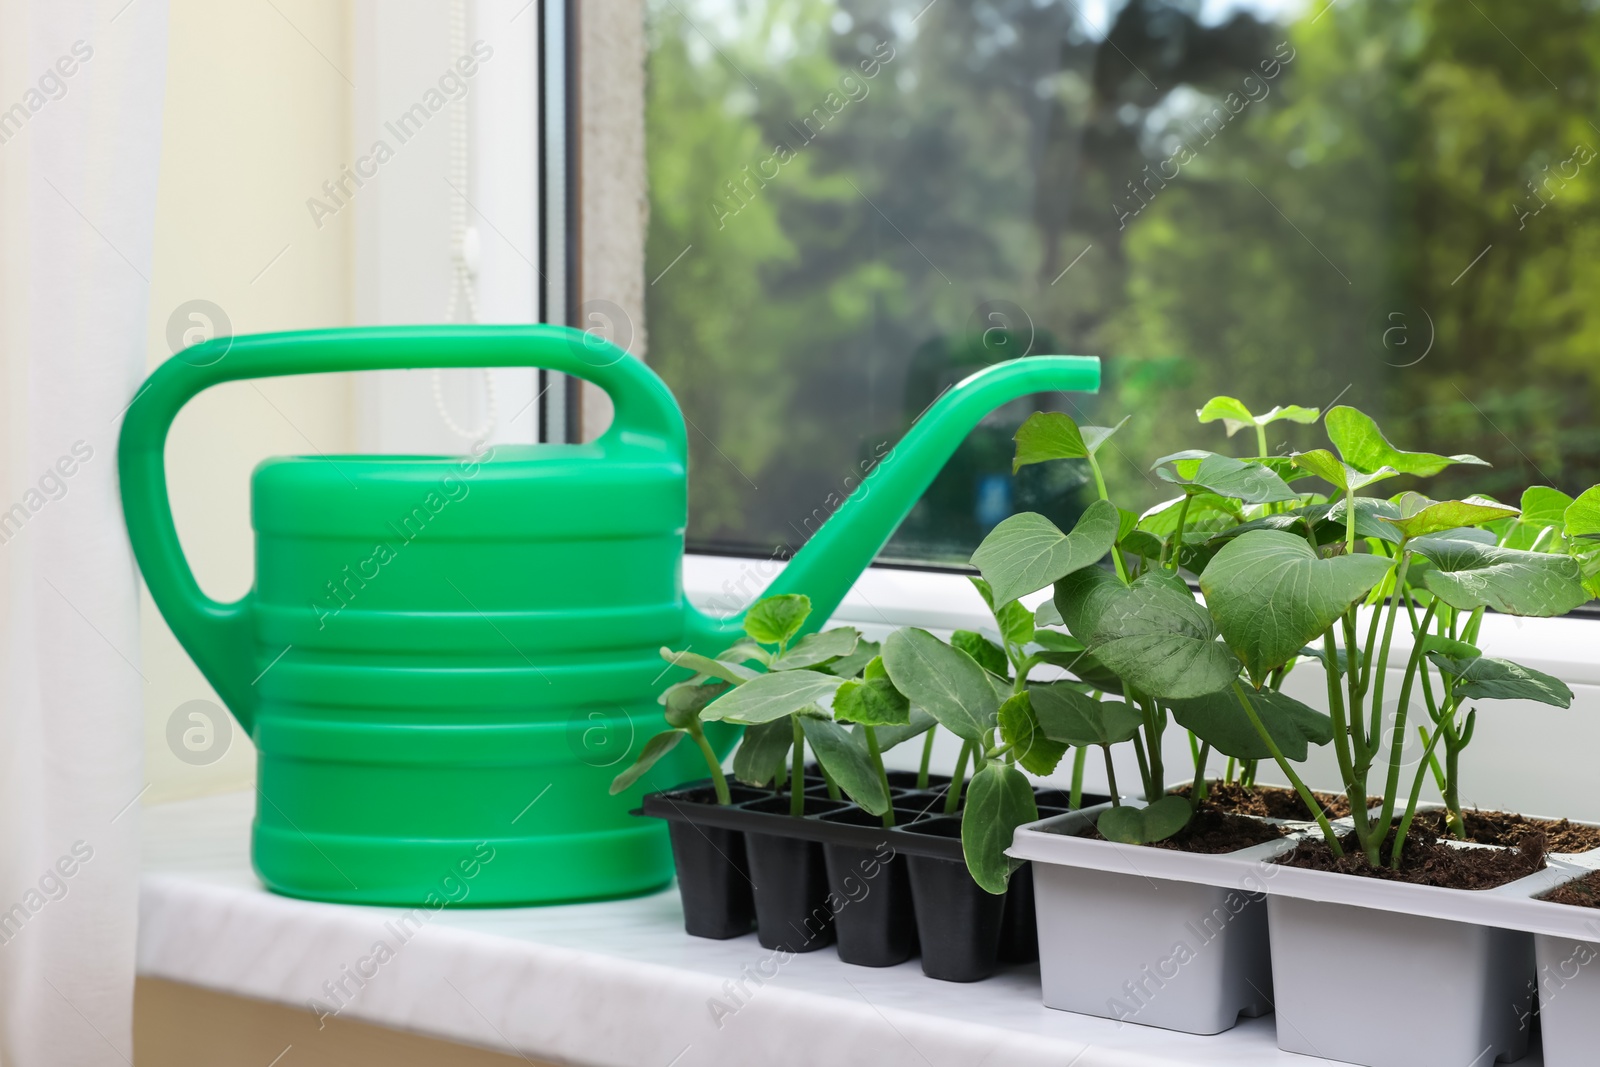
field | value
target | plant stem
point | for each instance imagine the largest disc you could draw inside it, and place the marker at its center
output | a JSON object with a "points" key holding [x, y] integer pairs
{"points": [[1075, 799], [1111, 778], [1199, 791], [1288, 769], [1355, 783], [1144, 764], [1261, 440], [876, 757], [1227, 775], [927, 755], [1155, 785], [1397, 746], [719, 781], [797, 771], [1100, 487], [952, 798], [827, 780], [1177, 536], [1375, 730]]}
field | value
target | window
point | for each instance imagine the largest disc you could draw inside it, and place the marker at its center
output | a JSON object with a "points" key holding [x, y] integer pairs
{"points": [[856, 202]]}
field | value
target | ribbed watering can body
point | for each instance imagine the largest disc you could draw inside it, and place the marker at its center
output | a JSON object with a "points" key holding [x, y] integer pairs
{"points": [[445, 660]]}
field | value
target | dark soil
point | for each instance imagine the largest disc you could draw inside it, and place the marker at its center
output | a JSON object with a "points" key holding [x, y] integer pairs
{"points": [[1427, 861], [1269, 801], [1505, 828], [1213, 833], [1584, 893]]}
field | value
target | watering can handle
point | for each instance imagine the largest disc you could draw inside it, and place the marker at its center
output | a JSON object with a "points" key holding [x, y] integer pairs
{"points": [[220, 637]]}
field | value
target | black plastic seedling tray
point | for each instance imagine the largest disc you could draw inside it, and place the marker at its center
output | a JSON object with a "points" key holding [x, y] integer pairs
{"points": [[838, 874]]}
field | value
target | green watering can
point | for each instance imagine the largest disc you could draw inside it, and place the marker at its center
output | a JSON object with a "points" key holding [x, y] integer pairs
{"points": [[445, 660]]}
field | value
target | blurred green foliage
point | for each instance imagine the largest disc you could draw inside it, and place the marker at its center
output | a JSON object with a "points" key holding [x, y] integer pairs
{"points": [[854, 204]]}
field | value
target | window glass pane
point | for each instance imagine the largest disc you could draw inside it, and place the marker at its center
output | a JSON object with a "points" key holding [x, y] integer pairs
{"points": [[854, 203]]}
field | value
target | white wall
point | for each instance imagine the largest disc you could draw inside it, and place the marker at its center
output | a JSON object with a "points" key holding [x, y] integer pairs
{"points": [[256, 119]]}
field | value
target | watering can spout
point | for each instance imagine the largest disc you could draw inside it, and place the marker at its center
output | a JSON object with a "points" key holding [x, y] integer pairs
{"points": [[828, 564]]}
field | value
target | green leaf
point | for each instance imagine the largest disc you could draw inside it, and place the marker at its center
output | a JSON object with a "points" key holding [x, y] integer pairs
{"points": [[1582, 517], [1072, 718], [772, 696], [847, 762], [1234, 415], [1095, 436], [1467, 575], [1154, 636], [762, 752], [999, 800], [685, 701], [814, 649], [775, 619], [1016, 624], [1019, 728], [852, 665], [1363, 446], [1162, 519], [744, 651], [711, 668], [1270, 595], [1543, 506], [1048, 435], [1484, 678], [873, 701], [890, 736], [1047, 614], [1052, 435], [988, 654], [945, 682], [1219, 719], [1331, 469], [653, 750], [1027, 552], [1141, 826], [1449, 515], [1224, 476]]}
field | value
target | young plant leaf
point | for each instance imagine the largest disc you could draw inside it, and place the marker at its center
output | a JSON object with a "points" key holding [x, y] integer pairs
{"points": [[1270, 595], [1235, 416], [1363, 446], [814, 649], [1582, 517], [763, 752], [988, 654], [772, 696], [1218, 718], [1020, 729], [890, 736], [1467, 574], [852, 665], [946, 682], [1484, 678], [1154, 637], [873, 700], [1072, 718], [686, 700], [1331, 469], [776, 619], [1051, 435], [743, 652], [1449, 515], [1095, 436], [999, 800], [1047, 614], [710, 668], [653, 750], [1142, 826], [1162, 520], [1224, 476], [1016, 624], [1543, 506], [1028, 552], [847, 763]]}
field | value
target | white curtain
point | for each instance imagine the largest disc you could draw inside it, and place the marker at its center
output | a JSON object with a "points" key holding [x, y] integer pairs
{"points": [[81, 87]]}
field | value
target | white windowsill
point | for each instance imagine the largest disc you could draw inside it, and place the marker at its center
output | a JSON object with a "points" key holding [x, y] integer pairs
{"points": [[617, 984]]}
